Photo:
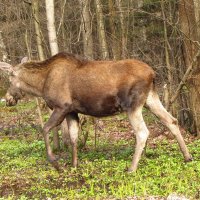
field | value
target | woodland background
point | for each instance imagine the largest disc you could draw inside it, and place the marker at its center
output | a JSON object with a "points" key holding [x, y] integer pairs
{"points": [[163, 33]]}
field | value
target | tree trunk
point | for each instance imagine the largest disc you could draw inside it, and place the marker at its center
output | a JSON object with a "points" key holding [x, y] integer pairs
{"points": [[123, 28], [86, 29], [51, 26], [61, 28], [142, 31], [167, 60], [113, 28], [197, 15], [188, 25], [101, 30], [35, 10], [3, 49]]}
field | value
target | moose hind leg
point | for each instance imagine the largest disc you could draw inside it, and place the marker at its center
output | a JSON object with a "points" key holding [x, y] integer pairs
{"points": [[141, 132], [73, 125], [156, 107]]}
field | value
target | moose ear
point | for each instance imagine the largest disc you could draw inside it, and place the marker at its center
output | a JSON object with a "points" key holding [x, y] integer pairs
{"points": [[24, 59], [6, 67]]}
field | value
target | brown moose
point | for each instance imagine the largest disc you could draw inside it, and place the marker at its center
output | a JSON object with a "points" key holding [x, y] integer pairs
{"points": [[72, 85]]}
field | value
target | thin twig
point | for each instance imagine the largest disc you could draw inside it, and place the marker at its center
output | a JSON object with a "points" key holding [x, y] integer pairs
{"points": [[62, 16], [185, 77]]}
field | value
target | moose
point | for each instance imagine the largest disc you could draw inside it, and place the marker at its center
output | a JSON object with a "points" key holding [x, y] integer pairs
{"points": [[71, 85]]}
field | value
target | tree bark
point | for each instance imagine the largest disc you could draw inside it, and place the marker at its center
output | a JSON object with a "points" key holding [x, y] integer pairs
{"points": [[101, 30], [113, 28], [51, 26], [188, 25], [3, 49], [35, 10], [167, 60], [123, 29], [86, 27], [64, 34], [197, 15]]}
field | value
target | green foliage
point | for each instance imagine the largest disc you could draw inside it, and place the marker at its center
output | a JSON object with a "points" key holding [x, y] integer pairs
{"points": [[101, 174]]}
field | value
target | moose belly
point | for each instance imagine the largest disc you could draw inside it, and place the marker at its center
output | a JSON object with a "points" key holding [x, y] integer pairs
{"points": [[98, 106]]}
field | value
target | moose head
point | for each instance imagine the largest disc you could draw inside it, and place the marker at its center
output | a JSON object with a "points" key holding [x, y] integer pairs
{"points": [[14, 93]]}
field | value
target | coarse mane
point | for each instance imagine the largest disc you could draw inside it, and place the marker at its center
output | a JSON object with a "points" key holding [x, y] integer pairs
{"points": [[39, 65]]}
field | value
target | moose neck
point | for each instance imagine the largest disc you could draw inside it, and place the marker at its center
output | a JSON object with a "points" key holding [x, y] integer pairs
{"points": [[32, 82]]}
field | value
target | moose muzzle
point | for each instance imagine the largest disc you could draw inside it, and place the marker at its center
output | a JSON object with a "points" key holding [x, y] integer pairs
{"points": [[10, 100]]}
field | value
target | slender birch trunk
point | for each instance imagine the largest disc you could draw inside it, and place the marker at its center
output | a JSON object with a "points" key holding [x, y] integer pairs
{"points": [[3, 49], [168, 87], [51, 26]]}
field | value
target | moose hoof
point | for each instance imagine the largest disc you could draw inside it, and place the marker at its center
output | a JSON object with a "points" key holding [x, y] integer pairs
{"points": [[131, 170], [53, 158], [189, 159], [56, 165]]}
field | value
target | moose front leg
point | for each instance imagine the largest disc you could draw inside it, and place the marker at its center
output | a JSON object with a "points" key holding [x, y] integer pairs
{"points": [[55, 119]]}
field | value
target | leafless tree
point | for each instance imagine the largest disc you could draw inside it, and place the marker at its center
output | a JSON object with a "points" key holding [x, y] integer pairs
{"points": [[101, 30]]}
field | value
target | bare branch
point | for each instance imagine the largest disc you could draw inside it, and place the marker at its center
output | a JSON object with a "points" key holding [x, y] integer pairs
{"points": [[185, 77], [62, 16]]}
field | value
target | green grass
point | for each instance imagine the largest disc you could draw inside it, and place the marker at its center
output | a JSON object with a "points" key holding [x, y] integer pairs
{"points": [[101, 174]]}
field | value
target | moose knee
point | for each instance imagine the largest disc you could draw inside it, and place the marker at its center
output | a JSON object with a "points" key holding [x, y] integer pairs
{"points": [[142, 137]]}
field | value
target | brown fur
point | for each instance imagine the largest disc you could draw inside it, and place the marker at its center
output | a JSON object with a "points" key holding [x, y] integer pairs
{"points": [[71, 85], [40, 65], [97, 88]]}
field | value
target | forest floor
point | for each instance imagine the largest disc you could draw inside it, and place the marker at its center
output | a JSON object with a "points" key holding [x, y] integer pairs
{"points": [[101, 174]]}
